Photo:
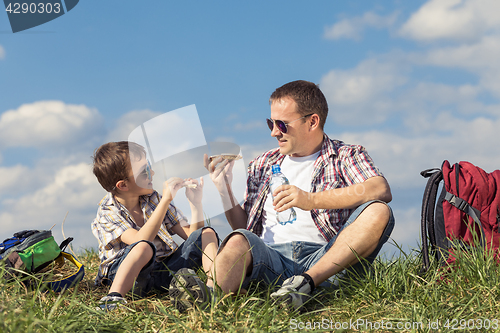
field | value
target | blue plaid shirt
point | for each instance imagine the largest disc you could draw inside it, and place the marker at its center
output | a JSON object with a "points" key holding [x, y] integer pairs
{"points": [[113, 219]]}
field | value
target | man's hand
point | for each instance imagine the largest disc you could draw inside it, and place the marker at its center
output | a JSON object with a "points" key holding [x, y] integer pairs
{"points": [[287, 196], [221, 172]]}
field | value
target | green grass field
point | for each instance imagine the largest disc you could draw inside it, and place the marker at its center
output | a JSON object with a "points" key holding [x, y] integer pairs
{"points": [[394, 297]]}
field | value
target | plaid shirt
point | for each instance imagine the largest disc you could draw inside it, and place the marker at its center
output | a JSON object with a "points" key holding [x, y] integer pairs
{"points": [[338, 165], [113, 219]]}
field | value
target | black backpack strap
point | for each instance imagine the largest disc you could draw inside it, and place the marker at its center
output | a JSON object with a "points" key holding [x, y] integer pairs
{"points": [[465, 207], [427, 215], [65, 243]]}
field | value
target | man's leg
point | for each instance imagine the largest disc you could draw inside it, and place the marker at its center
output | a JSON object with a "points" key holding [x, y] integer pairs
{"points": [[358, 240], [366, 230]]}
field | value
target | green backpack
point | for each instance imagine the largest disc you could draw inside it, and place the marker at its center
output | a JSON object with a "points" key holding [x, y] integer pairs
{"points": [[33, 250]]}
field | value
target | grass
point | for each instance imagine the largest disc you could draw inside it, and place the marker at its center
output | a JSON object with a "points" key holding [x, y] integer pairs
{"points": [[393, 297]]}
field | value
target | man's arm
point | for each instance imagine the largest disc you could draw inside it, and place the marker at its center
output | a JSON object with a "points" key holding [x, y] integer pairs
{"points": [[374, 188]]}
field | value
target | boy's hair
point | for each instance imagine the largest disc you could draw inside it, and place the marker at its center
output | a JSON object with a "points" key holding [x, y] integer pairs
{"points": [[112, 162], [308, 97]]}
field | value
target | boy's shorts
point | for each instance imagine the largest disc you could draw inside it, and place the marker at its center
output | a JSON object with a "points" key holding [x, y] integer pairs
{"points": [[158, 274], [274, 263]]}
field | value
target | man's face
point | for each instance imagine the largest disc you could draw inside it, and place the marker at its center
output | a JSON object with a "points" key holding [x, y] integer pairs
{"points": [[292, 142]]}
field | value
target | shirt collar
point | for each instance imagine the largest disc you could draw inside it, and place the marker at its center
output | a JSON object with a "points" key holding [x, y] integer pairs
{"points": [[110, 201], [328, 148]]}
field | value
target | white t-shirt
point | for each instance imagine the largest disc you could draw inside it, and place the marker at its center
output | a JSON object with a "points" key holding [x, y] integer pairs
{"points": [[299, 172]]}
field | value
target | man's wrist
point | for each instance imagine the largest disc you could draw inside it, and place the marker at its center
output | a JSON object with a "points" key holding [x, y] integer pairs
{"points": [[312, 198]]}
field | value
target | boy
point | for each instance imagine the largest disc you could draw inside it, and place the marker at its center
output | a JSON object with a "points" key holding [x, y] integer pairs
{"points": [[134, 225]]}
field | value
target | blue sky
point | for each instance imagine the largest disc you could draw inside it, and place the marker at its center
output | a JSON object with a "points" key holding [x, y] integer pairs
{"points": [[414, 82]]}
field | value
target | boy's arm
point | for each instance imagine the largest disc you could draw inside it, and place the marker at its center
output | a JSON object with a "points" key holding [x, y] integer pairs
{"points": [[194, 196], [150, 229]]}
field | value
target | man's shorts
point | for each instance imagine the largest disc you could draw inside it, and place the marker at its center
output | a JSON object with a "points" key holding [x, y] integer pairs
{"points": [[274, 263], [158, 274]]}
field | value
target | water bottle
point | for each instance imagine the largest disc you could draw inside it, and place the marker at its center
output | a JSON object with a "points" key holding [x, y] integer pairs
{"points": [[278, 179]]}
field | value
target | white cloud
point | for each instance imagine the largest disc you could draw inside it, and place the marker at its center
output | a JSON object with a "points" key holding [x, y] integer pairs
{"points": [[406, 231], [128, 122], [352, 28], [14, 179], [2, 53], [479, 58], [350, 92], [442, 94], [249, 126], [401, 157], [73, 189], [48, 123], [462, 20]]}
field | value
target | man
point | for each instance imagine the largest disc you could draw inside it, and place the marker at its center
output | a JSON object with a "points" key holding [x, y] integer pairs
{"points": [[337, 192]]}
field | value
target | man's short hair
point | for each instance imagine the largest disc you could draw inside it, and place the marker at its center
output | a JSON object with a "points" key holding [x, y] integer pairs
{"points": [[308, 97], [111, 162]]}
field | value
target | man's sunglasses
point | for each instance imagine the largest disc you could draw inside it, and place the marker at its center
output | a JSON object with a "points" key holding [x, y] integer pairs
{"points": [[282, 126]]}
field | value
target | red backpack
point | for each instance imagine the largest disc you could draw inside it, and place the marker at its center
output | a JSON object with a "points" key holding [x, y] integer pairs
{"points": [[467, 212]]}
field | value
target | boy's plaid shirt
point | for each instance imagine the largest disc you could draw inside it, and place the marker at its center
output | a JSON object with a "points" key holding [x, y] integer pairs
{"points": [[338, 165], [113, 219]]}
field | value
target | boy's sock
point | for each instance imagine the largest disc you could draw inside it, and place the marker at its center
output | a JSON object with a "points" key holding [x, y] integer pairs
{"points": [[111, 301]]}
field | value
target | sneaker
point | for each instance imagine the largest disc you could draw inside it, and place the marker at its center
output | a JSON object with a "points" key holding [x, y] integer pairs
{"points": [[110, 303], [295, 291], [186, 289]]}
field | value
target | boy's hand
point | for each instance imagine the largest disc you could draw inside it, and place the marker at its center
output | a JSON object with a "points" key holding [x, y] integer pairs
{"points": [[194, 191], [220, 173], [170, 188]]}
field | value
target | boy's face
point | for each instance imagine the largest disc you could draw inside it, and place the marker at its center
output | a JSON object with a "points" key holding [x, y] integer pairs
{"points": [[140, 179]]}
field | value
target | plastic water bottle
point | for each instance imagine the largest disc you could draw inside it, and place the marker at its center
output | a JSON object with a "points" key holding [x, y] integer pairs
{"points": [[278, 179]]}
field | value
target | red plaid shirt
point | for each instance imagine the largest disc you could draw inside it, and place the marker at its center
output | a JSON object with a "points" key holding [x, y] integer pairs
{"points": [[338, 165]]}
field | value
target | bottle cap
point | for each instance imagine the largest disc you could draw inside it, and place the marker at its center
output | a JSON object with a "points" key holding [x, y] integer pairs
{"points": [[276, 168]]}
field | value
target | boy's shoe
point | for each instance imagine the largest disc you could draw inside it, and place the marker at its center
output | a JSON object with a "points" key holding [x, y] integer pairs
{"points": [[110, 303], [186, 289], [295, 291]]}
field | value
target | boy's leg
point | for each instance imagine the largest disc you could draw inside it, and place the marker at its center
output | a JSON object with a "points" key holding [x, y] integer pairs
{"points": [[199, 250], [195, 252], [136, 259], [248, 258], [209, 247]]}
